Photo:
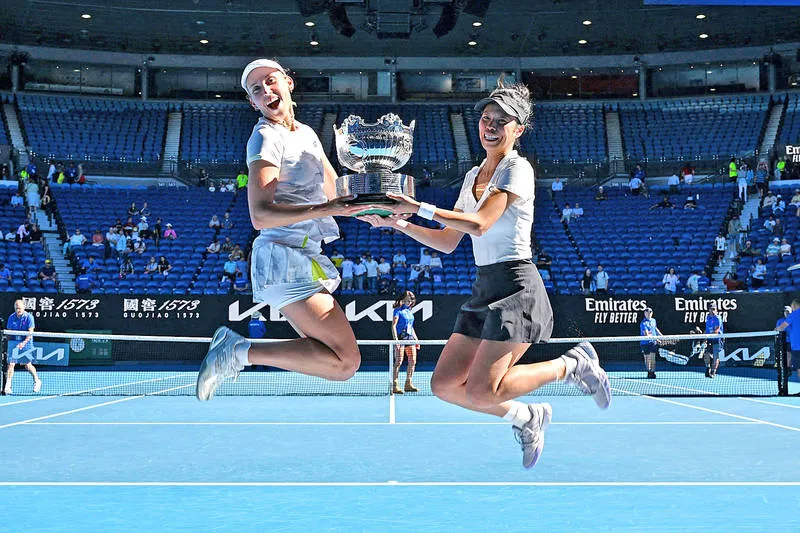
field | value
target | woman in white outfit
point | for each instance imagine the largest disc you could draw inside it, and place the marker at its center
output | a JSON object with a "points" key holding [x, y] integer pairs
{"points": [[509, 308], [292, 198]]}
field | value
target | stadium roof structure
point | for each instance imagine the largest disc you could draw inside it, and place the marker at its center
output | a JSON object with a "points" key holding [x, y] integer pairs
{"points": [[418, 28]]}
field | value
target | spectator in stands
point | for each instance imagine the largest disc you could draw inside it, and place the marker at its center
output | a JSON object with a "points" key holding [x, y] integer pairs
{"points": [[414, 276], [214, 223], [735, 232], [5, 175], [126, 267], [84, 282], [97, 238], [601, 281], [139, 246], [227, 246], [242, 179], [741, 183], [17, 200], [733, 283], [399, 259], [347, 273], [203, 179], [35, 234], [32, 197], [691, 281], [556, 188], [5, 274], [577, 211], [90, 265], [601, 194], [372, 273], [164, 267], [670, 281], [770, 223], [769, 200], [673, 182], [665, 203], [703, 282], [75, 241], [720, 246], [762, 179], [214, 247], [748, 250], [10, 236], [133, 210], [436, 261], [690, 203], [51, 170], [170, 233], [733, 172], [157, 233], [227, 221], [688, 174], [786, 248], [359, 274], [794, 203], [543, 261], [122, 248], [240, 283], [144, 212], [47, 272], [337, 258], [229, 268], [144, 228], [758, 274], [587, 282], [779, 206], [72, 172], [774, 248], [385, 269], [151, 267], [635, 185], [425, 257], [780, 167], [236, 254], [566, 213], [778, 228]]}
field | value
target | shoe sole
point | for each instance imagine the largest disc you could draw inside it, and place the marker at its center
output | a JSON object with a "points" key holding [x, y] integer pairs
{"points": [[602, 396], [204, 390], [37, 387], [548, 416]]}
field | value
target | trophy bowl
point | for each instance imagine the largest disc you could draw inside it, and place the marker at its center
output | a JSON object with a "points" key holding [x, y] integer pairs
{"points": [[373, 152]]}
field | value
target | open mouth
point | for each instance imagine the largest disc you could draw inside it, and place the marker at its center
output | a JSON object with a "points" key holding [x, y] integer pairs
{"points": [[490, 137], [274, 103]]}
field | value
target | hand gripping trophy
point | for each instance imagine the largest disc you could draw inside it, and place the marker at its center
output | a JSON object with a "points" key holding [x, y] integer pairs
{"points": [[374, 151]]}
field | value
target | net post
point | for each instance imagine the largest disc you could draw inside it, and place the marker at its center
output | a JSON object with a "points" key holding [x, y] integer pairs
{"points": [[782, 361], [3, 359], [390, 384]]}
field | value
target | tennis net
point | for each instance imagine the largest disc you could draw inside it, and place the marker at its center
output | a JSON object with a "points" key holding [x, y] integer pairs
{"points": [[751, 364]]}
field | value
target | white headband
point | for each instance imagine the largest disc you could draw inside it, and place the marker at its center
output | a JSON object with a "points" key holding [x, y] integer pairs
{"points": [[256, 64]]}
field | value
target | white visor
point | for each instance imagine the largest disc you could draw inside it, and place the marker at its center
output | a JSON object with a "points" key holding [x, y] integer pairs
{"points": [[257, 64]]}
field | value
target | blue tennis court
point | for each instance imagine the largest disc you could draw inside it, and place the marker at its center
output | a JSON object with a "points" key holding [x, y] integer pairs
{"points": [[409, 463]]}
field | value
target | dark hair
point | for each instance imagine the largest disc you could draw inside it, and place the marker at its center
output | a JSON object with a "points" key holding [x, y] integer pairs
{"points": [[403, 296]]}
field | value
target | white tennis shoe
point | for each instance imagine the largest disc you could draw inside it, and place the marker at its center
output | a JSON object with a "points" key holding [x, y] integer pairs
{"points": [[588, 375], [37, 385], [220, 363], [531, 435]]}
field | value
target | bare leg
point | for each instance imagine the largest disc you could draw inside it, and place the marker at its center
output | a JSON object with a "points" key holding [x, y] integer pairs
{"points": [[412, 363], [454, 375], [32, 369], [9, 376], [399, 352], [328, 348], [650, 361]]}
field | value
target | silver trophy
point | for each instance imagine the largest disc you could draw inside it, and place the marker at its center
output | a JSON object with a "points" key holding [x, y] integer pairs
{"points": [[374, 151]]}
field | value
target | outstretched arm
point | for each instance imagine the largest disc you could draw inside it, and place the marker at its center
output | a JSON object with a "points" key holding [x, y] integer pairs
{"points": [[444, 240], [265, 213]]}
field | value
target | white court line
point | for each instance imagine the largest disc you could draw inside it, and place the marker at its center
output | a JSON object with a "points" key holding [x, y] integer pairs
{"points": [[715, 411], [392, 483], [658, 423], [790, 406], [93, 406], [392, 417], [87, 391]]}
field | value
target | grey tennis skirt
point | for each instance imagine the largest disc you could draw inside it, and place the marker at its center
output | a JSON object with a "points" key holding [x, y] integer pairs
{"points": [[508, 303]]}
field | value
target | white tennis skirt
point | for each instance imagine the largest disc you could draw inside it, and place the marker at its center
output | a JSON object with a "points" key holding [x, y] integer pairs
{"points": [[283, 274]]}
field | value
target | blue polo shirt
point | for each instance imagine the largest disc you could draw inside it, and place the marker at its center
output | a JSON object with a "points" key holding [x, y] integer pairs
{"points": [[788, 330], [712, 323], [793, 330], [20, 323], [405, 322], [648, 327]]}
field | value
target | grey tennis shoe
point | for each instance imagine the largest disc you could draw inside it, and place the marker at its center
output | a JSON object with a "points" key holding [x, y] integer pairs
{"points": [[220, 363], [588, 375], [531, 435]]}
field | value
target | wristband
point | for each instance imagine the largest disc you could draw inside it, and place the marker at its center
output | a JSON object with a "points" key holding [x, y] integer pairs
{"points": [[427, 211], [401, 223]]}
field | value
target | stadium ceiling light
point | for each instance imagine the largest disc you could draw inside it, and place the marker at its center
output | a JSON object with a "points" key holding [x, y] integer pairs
{"points": [[583, 41], [86, 16], [473, 43], [713, 89], [574, 77], [635, 94], [794, 84], [76, 70], [477, 24], [199, 22], [703, 36], [569, 94], [700, 16], [310, 23], [203, 41], [587, 22], [217, 96], [313, 42]]}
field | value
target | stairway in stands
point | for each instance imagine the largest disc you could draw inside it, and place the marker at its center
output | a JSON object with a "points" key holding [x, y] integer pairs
{"points": [[616, 156]]}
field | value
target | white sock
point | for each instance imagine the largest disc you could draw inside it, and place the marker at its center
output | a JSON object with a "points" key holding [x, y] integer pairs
{"points": [[518, 414], [571, 363], [240, 352]]}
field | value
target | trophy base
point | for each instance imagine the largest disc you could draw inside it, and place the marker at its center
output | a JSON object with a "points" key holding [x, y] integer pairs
{"points": [[372, 199]]}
